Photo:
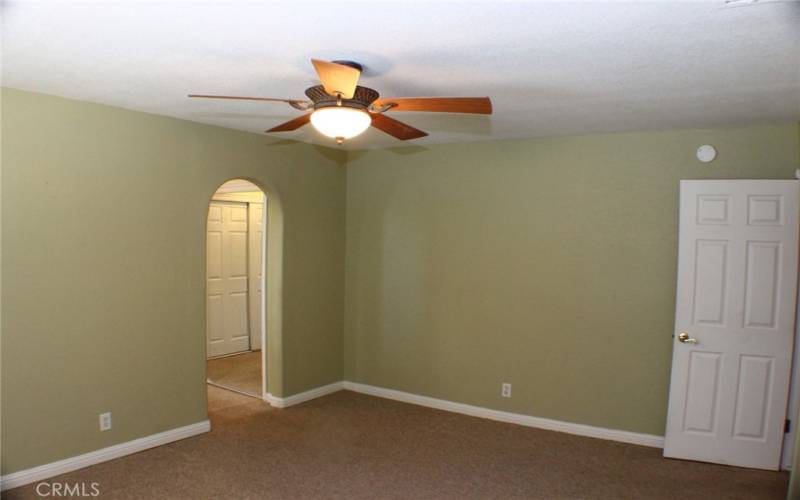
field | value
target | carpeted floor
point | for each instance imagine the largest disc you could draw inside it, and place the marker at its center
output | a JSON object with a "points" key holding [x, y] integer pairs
{"points": [[240, 371], [348, 445]]}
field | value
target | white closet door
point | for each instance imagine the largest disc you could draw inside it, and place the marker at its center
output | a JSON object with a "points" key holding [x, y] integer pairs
{"points": [[257, 214], [227, 325], [734, 321]]}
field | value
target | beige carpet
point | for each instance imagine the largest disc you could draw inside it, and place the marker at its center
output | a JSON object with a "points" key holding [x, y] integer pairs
{"points": [[348, 445], [240, 372]]}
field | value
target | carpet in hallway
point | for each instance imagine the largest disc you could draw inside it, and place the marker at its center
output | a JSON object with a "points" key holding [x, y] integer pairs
{"points": [[240, 371]]}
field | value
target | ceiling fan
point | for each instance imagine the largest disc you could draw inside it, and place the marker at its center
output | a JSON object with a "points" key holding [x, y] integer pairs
{"points": [[341, 109]]}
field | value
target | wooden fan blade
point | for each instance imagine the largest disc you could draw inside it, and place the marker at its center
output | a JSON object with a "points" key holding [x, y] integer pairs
{"points": [[292, 124], [476, 105], [396, 128], [337, 78], [245, 98]]}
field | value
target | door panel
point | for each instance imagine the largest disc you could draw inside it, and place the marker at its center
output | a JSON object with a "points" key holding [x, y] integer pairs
{"points": [[701, 408], [709, 282], [752, 397], [227, 325], [761, 289], [215, 321], [237, 243], [737, 281]]}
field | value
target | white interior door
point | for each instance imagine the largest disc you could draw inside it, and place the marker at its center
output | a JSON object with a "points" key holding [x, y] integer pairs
{"points": [[737, 280], [256, 266], [227, 326]]}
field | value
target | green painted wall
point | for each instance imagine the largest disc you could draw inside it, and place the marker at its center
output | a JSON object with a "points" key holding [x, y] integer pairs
{"points": [[549, 264], [794, 483], [546, 263], [103, 241]]}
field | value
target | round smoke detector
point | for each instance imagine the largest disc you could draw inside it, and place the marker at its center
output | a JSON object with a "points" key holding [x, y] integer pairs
{"points": [[706, 153]]}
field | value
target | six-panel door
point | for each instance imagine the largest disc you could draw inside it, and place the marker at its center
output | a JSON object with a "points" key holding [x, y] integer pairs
{"points": [[227, 323], [737, 280]]}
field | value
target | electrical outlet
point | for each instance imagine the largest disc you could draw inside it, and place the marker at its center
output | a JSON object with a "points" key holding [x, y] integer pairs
{"points": [[105, 421], [506, 390]]}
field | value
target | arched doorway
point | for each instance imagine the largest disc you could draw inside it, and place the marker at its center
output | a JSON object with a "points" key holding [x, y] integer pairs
{"points": [[236, 291]]}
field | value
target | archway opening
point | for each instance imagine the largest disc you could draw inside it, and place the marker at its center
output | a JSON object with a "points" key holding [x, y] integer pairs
{"points": [[236, 277]]}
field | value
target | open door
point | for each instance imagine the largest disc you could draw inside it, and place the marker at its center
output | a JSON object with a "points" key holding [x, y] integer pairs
{"points": [[734, 321]]}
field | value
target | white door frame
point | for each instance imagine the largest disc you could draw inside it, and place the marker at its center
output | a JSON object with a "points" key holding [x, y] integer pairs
{"points": [[263, 302], [264, 199]]}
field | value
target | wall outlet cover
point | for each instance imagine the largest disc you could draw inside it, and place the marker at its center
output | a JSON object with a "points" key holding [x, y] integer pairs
{"points": [[105, 421]]}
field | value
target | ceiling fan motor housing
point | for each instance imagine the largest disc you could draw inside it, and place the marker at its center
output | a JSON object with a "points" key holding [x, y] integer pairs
{"points": [[362, 98]]}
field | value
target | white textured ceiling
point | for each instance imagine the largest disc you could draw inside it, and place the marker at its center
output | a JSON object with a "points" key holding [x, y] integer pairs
{"points": [[550, 68]]}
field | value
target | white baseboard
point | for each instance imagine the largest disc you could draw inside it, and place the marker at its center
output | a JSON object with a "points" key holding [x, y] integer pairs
{"points": [[45, 471], [95, 457], [513, 418], [303, 396]]}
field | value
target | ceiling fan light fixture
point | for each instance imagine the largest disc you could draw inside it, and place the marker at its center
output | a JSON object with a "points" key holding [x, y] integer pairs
{"points": [[340, 122], [340, 108]]}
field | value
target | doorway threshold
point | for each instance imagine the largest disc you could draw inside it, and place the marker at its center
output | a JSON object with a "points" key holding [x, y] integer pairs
{"points": [[232, 389]]}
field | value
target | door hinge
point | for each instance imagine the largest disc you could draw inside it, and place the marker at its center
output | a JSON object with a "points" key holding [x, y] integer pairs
{"points": [[787, 426]]}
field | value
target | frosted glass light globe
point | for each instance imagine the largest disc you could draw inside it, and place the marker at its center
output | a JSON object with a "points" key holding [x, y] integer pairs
{"points": [[340, 121]]}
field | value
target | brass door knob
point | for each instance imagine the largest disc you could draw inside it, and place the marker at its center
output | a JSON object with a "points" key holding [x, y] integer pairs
{"points": [[686, 339]]}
